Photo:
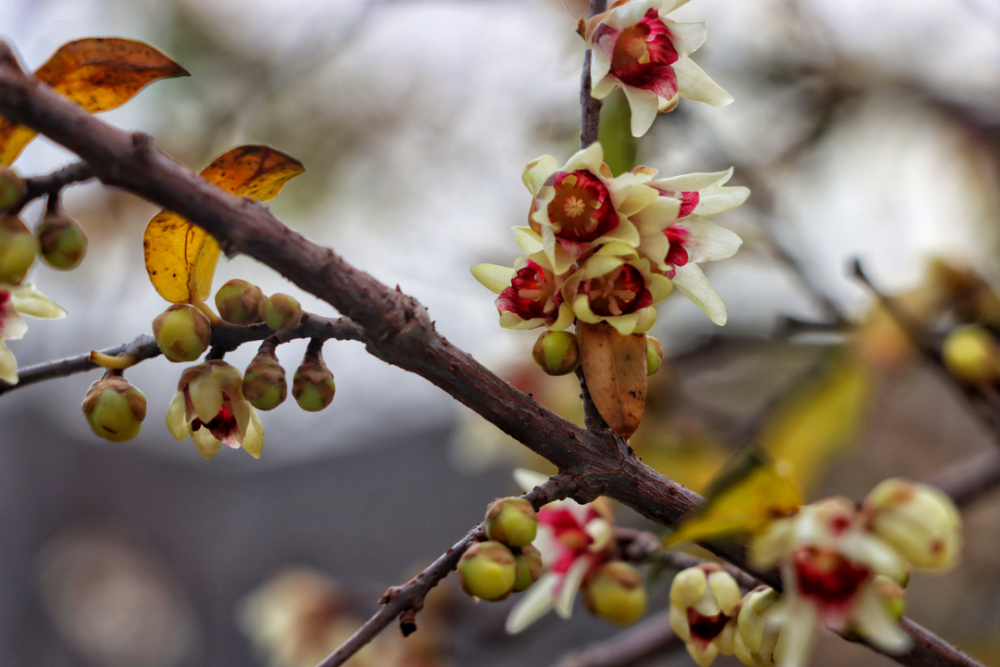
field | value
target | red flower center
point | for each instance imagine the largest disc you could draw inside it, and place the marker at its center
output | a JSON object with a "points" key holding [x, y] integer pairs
{"points": [[642, 55], [619, 292], [532, 294], [826, 576], [582, 210], [706, 628]]}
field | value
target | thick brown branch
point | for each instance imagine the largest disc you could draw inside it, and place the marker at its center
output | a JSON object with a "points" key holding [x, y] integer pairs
{"points": [[224, 337], [395, 327]]}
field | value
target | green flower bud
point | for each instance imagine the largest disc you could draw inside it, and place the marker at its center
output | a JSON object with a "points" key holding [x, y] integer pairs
{"points": [[313, 387], [240, 302], [18, 248], [615, 593], [556, 352], [919, 521], [62, 240], [264, 383], [114, 409], [182, 332], [529, 567], [282, 312], [487, 570], [13, 188], [512, 521], [972, 355], [654, 355]]}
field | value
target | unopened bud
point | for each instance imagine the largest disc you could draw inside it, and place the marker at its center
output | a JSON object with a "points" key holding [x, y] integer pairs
{"points": [[529, 567], [890, 594], [654, 355], [240, 302], [313, 387], [755, 640], [556, 352], [182, 332], [488, 570], [282, 312], [918, 521], [615, 593], [62, 240], [264, 383], [512, 521], [13, 188], [114, 409], [18, 249], [972, 355]]}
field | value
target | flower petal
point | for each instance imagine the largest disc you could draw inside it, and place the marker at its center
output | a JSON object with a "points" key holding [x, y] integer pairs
{"points": [[693, 182], [627, 15], [721, 200], [495, 278], [872, 619], [694, 84], [8, 364], [590, 158], [600, 65], [687, 37], [570, 586], [29, 301], [537, 602], [604, 87], [12, 326], [705, 241], [625, 324], [657, 216], [797, 634], [679, 622], [528, 240], [176, 421], [537, 172], [529, 479], [693, 284], [253, 441], [208, 445], [645, 105], [206, 398]]}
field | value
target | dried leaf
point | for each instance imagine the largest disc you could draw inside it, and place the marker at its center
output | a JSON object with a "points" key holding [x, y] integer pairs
{"points": [[98, 74], [180, 256], [615, 369]]}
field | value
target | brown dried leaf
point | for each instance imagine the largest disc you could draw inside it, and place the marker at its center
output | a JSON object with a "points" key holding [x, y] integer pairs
{"points": [[615, 369]]}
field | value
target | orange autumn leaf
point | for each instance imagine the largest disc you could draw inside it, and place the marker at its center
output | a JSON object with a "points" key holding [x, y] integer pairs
{"points": [[615, 369], [98, 74], [180, 256]]}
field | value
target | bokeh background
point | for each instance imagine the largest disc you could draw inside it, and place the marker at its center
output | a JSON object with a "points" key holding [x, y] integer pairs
{"points": [[865, 128]]}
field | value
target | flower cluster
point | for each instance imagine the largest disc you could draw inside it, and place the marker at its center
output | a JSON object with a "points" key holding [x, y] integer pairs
{"points": [[604, 249]]}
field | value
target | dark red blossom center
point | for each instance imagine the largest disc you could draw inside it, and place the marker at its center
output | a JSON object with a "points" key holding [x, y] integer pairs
{"points": [[642, 55], [618, 292], [706, 628], [826, 576], [4, 297], [532, 294], [677, 254], [221, 425], [581, 211]]}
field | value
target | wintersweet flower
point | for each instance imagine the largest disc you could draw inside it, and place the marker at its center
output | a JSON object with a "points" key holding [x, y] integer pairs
{"points": [[210, 407], [580, 206], [574, 540], [703, 609], [635, 47], [530, 293], [17, 300], [617, 286], [829, 564]]}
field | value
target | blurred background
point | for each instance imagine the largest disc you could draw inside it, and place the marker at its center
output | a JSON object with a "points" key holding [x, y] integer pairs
{"points": [[864, 128]]}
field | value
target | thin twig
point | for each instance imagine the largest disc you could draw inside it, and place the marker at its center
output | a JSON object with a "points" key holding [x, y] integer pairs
{"points": [[647, 639], [39, 186]]}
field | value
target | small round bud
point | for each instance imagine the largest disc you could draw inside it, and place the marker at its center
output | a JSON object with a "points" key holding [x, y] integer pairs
{"points": [[282, 312], [654, 355], [890, 594], [240, 302], [18, 249], [114, 409], [182, 332], [972, 355], [13, 188], [264, 383], [919, 521], [755, 640], [487, 570], [556, 352], [529, 567], [313, 387], [615, 593], [512, 521], [62, 240]]}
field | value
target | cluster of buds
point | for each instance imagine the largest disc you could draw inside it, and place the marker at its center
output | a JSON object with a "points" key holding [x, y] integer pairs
{"points": [[507, 562], [577, 545]]}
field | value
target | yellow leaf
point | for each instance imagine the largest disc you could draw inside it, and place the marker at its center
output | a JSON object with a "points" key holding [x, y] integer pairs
{"points": [[99, 75], [615, 368], [180, 256]]}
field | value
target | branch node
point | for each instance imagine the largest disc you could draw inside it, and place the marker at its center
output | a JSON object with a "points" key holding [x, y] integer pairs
{"points": [[142, 143]]}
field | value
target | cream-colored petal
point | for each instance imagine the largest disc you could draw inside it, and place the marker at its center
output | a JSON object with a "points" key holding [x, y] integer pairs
{"points": [[537, 602], [571, 586], [645, 319], [243, 412], [659, 286], [205, 396], [625, 233], [694, 182], [772, 543], [702, 656], [721, 200], [537, 172], [624, 324], [694, 84], [581, 308], [509, 320], [637, 198], [528, 240], [12, 325], [177, 423], [797, 635], [29, 301], [655, 247], [693, 284], [687, 37], [705, 241], [872, 619], [725, 590], [208, 445], [657, 216], [679, 622], [599, 265], [601, 532], [564, 319], [590, 158], [627, 15], [688, 587], [8, 365], [529, 479], [604, 87], [600, 65], [667, 6], [253, 441], [645, 105], [742, 652], [493, 277]]}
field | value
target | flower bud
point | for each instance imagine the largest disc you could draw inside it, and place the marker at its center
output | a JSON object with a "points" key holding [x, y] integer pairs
{"points": [[654, 355], [919, 521], [890, 594], [13, 188], [529, 567], [703, 603], [313, 387], [614, 592], [556, 352], [488, 570], [755, 640], [512, 521], [182, 332], [282, 312], [240, 302], [972, 355], [18, 248], [264, 383], [114, 409], [62, 240]]}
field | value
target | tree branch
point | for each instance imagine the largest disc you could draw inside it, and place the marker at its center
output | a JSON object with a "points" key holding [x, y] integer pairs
{"points": [[39, 186], [643, 640]]}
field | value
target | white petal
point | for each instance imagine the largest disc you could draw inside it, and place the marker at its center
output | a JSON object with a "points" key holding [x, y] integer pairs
{"points": [[721, 200], [528, 240], [872, 619], [604, 87], [243, 412], [706, 241], [570, 586], [207, 444], [687, 37], [725, 590], [253, 441], [589, 158], [625, 324], [537, 602], [600, 65], [694, 84], [636, 198], [176, 421], [655, 246], [495, 278], [797, 635], [645, 105], [206, 397], [627, 15], [12, 326], [29, 301], [8, 364], [601, 531], [668, 6], [694, 182], [694, 285], [657, 216], [509, 320], [537, 172]]}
